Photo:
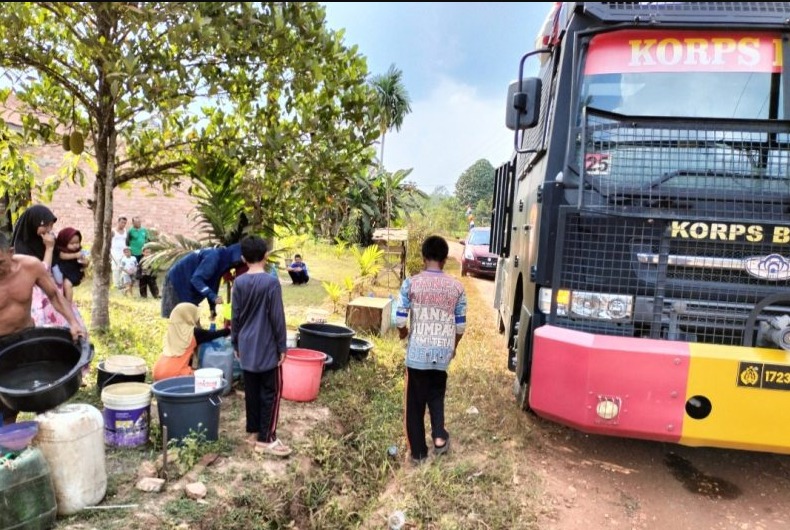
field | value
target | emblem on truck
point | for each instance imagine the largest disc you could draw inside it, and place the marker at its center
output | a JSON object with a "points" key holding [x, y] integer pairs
{"points": [[772, 267]]}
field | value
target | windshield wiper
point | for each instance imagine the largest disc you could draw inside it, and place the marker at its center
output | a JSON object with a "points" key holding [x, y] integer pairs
{"points": [[759, 174]]}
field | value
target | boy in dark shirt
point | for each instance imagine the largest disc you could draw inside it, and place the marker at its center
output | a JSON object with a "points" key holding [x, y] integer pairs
{"points": [[297, 270], [259, 337]]}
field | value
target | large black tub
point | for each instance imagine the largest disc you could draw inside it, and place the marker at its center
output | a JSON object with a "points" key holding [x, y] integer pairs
{"points": [[331, 339], [40, 368]]}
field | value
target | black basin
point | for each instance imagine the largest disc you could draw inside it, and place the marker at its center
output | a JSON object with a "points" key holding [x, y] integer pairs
{"points": [[360, 348], [40, 368]]}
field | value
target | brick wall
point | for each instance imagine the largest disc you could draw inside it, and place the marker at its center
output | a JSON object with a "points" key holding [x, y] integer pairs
{"points": [[169, 214]]}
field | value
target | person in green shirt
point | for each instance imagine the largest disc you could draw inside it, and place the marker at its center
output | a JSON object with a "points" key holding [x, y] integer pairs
{"points": [[136, 238]]}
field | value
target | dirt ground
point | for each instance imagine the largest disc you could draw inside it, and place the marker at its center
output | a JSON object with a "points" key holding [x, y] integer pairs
{"points": [[595, 482]]}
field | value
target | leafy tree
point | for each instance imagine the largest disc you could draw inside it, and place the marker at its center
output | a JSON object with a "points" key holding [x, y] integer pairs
{"points": [[476, 184], [363, 207], [442, 213], [156, 86]]}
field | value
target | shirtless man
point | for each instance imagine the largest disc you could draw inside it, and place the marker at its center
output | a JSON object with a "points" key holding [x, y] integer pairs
{"points": [[18, 276]]}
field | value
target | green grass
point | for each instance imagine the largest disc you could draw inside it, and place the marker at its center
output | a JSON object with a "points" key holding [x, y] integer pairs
{"points": [[341, 475]]}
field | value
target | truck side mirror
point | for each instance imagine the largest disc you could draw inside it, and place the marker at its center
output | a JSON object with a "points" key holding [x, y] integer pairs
{"points": [[523, 104]]}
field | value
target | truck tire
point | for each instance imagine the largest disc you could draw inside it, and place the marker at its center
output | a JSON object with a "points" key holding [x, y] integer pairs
{"points": [[523, 329]]}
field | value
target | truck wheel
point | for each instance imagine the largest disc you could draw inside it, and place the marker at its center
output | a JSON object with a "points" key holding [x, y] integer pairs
{"points": [[520, 348]]}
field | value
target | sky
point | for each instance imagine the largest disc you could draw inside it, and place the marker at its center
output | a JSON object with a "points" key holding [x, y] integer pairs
{"points": [[457, 62]]}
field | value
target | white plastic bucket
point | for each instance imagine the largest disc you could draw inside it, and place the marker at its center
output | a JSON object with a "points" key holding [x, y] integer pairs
{"points": [[125, 364], [207, 379], [127, 408], [291, 340]]}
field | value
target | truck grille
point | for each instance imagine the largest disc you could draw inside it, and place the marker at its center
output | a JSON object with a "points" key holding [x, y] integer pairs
{"points": [[697, 229]]}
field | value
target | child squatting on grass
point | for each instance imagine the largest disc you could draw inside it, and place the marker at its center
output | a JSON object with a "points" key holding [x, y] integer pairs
{"points": [[259, 339], [434, 301]]}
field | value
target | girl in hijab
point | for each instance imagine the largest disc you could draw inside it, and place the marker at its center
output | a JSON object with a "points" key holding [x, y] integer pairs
{"points": [[33, 236], [181, 341]]}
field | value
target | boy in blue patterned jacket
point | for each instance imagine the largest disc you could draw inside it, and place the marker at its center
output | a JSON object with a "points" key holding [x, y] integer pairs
{"points": [[436, 305]]}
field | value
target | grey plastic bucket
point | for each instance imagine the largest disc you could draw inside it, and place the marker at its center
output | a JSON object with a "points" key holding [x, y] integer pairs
{"points": [[184, 411]]}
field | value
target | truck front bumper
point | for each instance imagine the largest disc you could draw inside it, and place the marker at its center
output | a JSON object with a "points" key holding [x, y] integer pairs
{"points": [[686, 393]]}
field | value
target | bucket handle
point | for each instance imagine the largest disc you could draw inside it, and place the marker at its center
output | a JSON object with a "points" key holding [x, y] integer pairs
{"points": [[328, 361], [107, 382], [219, 400]]}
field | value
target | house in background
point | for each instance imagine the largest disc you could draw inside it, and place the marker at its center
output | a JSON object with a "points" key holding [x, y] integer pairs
{"points": [[169, 214]]}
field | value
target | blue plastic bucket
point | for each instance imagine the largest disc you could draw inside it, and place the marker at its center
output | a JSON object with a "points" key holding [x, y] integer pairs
{"points": [[184, 411]]}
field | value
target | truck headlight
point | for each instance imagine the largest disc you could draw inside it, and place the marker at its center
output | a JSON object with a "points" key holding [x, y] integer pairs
{"points": [[468, 253], [585, 304]]}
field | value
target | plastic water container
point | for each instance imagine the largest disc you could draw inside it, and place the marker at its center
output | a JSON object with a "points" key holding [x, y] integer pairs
{"points": [[71, 439], [127, 413], [27, 495], [393, 311], [202, 348], [219, 354]]}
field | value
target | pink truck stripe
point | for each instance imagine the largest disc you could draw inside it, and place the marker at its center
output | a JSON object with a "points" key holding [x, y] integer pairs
{"points": [[573, 371]]}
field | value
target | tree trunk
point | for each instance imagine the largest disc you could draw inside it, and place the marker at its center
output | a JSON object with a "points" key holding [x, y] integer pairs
{"points": [[102, 236], [105, 142]]}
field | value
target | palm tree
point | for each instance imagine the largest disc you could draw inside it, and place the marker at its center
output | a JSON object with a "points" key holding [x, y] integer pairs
{"points": [[219, 214], [394, 104]]}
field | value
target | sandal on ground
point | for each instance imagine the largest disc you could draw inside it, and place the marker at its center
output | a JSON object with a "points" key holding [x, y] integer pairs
{"points": [[441, 449], [275, 448]]}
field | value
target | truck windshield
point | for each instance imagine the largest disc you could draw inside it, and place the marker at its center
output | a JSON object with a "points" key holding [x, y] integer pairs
{"points": [[683, 76]]}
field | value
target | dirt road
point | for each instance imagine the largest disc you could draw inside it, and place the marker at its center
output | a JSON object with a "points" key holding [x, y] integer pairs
{"points": [[591, 482]]}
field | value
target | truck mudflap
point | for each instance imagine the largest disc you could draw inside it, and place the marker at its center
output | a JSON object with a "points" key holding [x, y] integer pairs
{"points": [[686, 393]]}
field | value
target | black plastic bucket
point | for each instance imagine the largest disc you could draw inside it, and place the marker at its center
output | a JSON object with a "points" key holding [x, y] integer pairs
{"points": [[105, 377], [184, 411], [331, 339]]}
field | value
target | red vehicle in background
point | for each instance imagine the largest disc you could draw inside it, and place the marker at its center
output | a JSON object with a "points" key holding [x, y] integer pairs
{"points": [[477, 259]]}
